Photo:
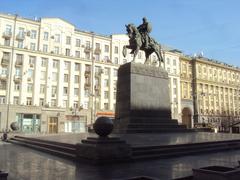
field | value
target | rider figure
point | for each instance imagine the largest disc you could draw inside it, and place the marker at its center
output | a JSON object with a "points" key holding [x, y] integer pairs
{"points": [[145, 28]]}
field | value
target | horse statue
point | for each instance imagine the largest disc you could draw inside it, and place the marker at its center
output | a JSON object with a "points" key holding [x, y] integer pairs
{"points": [[136, 43]]}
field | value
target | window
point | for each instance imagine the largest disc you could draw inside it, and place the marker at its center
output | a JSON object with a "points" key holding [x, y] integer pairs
{"points": [[86, 93], [87, 55], [65, 103], [44, 62], [77, 66], [76, 79], [106, 71], [33, 46], [55, 63], [57, 38], [168, 61], [54, 76], [66, 65], [45, 36], [41, 102], [33, 34], [19, 58], [174, 62], [106, 94], [85, 105], [16, 86], [53, 103], [29, 88], [2, 99], [106, 82], [21, 32], [3, 85], [106, 48], [18, 72], [115, 72], [6, 42], [43, 75], [67, 52], [15, 100], [65, 77], [78, 42], [32, 60], [45, 48], [106, 106], [54, 91], [87, 44], [68, 40], [116, 50], [20, 44], [8, 29], [77, 54], [76, 91], [30, 73], [115, 60], [56, 50], [42, 88], [97, 57], [65, 90], [29, 102]]}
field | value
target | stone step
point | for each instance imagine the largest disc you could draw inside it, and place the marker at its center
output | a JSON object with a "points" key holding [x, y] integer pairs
{"points": [[46, 141], [44, 149], [179, 149], [156, 130], [153, 120], [48, 145], [155, 125], [182, 153], [182, 149]]}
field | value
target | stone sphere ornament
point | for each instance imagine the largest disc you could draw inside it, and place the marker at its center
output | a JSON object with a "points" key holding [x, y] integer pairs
{"points": [[103, 126], [14, 126]]}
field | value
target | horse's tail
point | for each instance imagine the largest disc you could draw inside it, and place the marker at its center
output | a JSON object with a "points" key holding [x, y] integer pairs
{"points": [[160, 53]]}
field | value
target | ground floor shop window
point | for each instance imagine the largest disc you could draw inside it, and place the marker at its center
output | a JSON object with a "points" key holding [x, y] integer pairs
{"points": [[75, 124], [29, 123]]}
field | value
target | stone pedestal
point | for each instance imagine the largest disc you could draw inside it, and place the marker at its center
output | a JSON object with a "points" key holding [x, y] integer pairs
{"points": [[143, 101], [103, 150]]}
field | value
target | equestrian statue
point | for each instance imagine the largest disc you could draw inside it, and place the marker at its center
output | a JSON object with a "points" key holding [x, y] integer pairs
{"points": [[139, 39]]}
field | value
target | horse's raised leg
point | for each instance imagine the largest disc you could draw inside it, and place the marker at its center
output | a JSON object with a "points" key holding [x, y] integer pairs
{"points": [[135, 53]]}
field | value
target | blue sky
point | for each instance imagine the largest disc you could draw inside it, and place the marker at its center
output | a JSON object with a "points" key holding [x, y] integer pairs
{"points": [[193, 26]]}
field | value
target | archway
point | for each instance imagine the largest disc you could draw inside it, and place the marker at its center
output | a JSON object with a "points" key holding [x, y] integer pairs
{"points": [[187, 117]]}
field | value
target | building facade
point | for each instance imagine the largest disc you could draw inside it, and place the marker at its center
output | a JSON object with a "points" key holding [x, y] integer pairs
{"points": [[56, 78], [212, 88]]}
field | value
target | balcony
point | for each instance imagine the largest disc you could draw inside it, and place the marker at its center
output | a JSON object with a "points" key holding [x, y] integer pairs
{"points": [[87, 49], [17, 78], [20, 37], [18, 63], [3, 77], [29, 79], [31, 65], [5, 60], [87, 85], [97, 87], [87, 73], [97, 51], [7, 35]]}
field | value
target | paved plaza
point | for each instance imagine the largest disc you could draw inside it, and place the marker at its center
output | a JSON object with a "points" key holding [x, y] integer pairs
{"points": [[27, 164]]}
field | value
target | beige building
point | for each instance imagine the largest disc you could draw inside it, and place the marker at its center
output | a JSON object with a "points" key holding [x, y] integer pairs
{"points": [[213, 89], [56, 78]]}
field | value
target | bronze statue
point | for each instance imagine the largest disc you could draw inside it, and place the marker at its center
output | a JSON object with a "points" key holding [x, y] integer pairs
{"points": [[139, 39]]}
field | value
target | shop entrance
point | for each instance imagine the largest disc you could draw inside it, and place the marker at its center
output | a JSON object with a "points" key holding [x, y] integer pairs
{"points": [[187, 117], [52, 125]]}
